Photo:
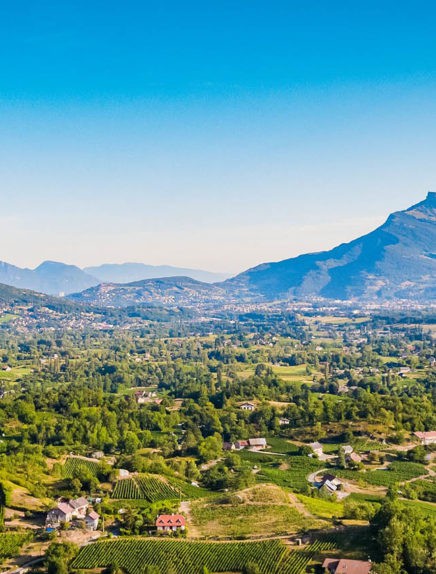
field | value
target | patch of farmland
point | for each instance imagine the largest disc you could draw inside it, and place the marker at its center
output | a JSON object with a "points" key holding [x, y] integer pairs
{"points": [[75, 464], [185, 557]]}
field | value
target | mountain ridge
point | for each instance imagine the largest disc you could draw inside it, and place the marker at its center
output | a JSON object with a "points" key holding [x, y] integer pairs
{"points": [[396, 260]]}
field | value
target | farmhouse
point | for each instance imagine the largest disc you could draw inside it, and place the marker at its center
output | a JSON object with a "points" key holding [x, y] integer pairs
{"points": [[91, 520], [248, 407], [426, 438], [344, 566], [67, 511], [144, 397], [170, 522], [257, 443]]}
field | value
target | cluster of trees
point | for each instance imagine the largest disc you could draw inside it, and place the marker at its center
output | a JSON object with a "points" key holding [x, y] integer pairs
{"points": [[406, 539]]}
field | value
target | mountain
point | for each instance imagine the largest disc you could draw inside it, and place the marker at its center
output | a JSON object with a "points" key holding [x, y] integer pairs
{"points": [[395, 261], [55, 278], [167, 291], [130, 272], [50, 277]]}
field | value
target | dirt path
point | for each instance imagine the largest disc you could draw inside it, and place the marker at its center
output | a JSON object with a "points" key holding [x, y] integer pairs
{"points": [[185, 507], [299, 506]]}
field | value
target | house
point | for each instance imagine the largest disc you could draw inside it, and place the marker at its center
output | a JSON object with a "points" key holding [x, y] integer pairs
{"points": [[345, 566], [170, 522], [257, 443], [67, 511], [144, 397], [328, 487], [317, 448], [240, 444], [248, 407], [80, 506], [329, 484], [229, 446], [284, 422], [347, 449], [61, 514], [91, 520], [426, 438], [123, 473]]}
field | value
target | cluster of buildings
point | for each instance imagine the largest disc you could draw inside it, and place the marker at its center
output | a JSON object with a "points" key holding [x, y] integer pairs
{"points": [[350, 455], [250, 444], [147, 397], [75, 509]]}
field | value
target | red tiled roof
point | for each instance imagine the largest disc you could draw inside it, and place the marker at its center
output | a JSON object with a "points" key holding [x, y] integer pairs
{"points": [[170, 520]]}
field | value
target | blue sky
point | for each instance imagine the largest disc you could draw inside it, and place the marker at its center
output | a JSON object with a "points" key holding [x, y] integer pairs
{"points": [[210, 134]]}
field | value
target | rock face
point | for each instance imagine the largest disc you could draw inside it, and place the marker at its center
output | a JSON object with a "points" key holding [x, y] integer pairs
{"points": [[395, 261]]}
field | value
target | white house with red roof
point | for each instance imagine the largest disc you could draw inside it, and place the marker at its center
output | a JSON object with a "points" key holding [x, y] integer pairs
{"points": [[170, 522]]}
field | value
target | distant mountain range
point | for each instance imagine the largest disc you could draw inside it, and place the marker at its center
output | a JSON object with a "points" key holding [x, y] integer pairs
{"points": [[50, 277], [130, 272], [395, 261], [55, 278]]}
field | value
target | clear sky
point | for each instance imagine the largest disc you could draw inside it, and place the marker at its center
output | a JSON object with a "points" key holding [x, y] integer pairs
{"points": [[214, 134]]}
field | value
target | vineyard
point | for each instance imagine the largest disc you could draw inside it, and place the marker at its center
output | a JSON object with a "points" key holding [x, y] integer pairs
{"points": [[397, 472], [272, 556], [144, 487], [73, 465], [11, 542]]}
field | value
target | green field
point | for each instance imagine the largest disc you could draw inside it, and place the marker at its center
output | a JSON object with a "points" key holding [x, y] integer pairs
{"points": [[322, 508], [294, 476], [183, 557], [15, 374], [215, 519]]}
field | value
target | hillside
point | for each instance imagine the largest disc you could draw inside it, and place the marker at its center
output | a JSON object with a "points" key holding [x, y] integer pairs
{"points": [[395, 261], [11, 296], [171, 291]]}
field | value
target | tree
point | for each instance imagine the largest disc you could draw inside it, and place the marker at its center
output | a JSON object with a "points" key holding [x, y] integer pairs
{"points": [[58, 557], [4, 496], [210, 448]]}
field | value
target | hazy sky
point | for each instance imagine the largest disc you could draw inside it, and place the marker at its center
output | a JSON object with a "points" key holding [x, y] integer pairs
{"points": [[215, 134]]}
